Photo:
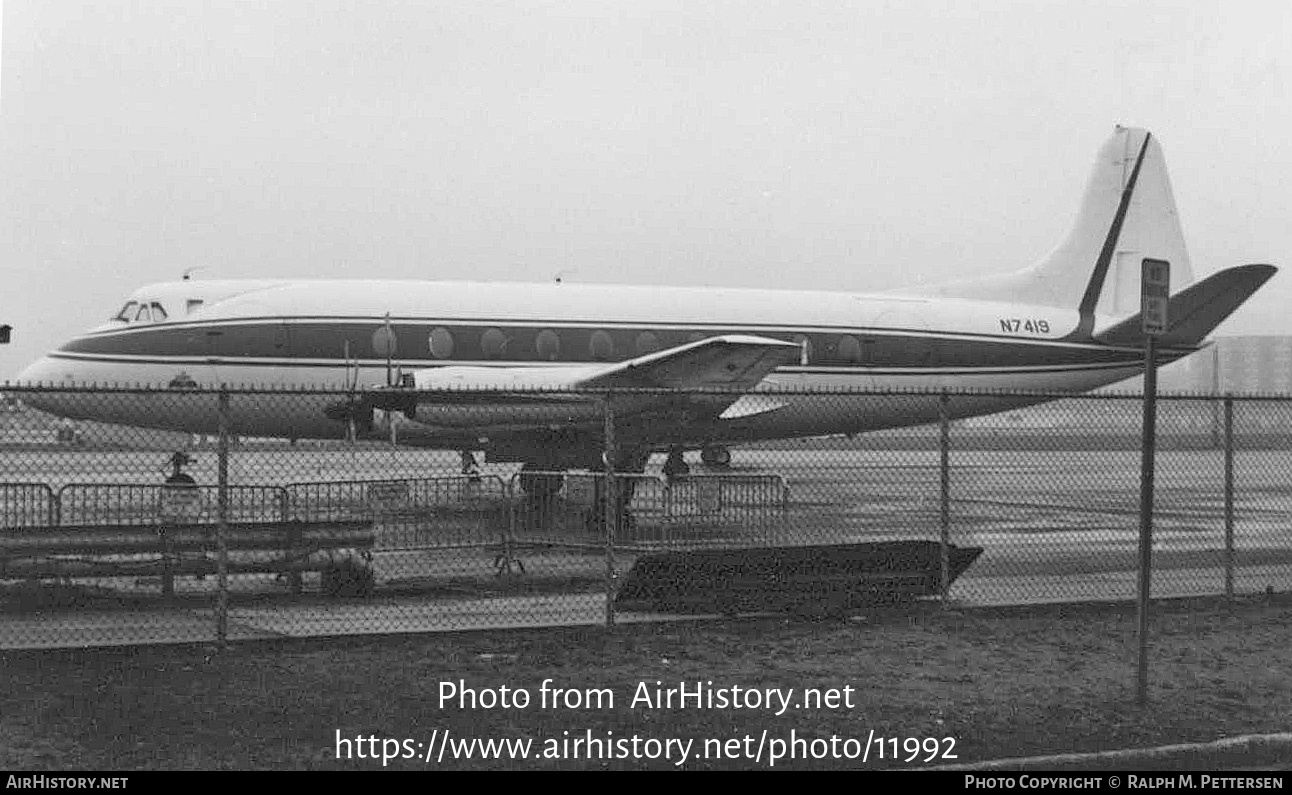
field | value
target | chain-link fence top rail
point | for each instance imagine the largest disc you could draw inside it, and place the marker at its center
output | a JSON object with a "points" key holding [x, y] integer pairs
{"points": [[171, 415], [1048, 488]]}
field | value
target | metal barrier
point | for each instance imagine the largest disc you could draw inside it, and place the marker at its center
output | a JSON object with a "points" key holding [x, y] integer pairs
{"points": [[1049, 492], [139, 504], [27, 505], [129, 530], [651, 494], [662, 512], [729, 495], [415, 513]]}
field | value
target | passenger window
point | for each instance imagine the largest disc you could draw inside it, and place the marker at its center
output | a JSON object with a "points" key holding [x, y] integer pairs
{"points": [[849, 349], [384, 342], [602, 346], [441, 342], [547, 345], [647, 342], [192, 305], [493, 343]]}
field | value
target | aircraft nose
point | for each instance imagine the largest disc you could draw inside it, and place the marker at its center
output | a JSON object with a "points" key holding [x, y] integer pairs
{"points": [[44, 371]]}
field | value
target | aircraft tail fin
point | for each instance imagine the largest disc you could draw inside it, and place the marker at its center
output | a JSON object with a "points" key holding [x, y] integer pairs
{"points": [[1127, 214], [1196, 310]]}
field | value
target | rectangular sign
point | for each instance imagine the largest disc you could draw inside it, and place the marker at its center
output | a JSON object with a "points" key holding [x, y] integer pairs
{"points": [[1155, 295]]}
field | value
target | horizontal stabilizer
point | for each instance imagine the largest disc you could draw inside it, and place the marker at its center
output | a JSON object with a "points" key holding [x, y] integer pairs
{"points": [[1193, 312]]}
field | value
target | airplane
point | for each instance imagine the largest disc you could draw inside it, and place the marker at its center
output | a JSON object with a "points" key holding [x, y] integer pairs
{"points": [[520, 370]]}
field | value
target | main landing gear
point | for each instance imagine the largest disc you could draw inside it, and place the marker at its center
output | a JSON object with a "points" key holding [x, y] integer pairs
{"points": [[542, 482], [715, 455], [594, 519]]}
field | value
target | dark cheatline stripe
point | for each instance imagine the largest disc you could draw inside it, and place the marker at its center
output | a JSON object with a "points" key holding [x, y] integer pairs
{"points": [[372, 322], [366, 324], [1086, 324], [913, 370], [325, 342]]}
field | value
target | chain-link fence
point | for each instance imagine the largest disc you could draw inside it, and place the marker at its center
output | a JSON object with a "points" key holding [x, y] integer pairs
{"points": [[201, 515]]}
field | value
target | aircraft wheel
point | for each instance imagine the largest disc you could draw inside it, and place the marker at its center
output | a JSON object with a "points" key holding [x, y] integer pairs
{"points": [[716, 456]]}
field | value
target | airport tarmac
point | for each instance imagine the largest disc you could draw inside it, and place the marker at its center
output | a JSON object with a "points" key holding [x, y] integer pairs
{"points": [[1055, 526]]}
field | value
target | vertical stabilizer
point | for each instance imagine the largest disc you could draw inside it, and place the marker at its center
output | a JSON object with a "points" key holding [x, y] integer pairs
{"points": [[1127, 213]]}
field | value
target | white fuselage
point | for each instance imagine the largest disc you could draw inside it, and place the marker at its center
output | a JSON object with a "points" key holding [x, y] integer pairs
{"points": [[337, 334]]}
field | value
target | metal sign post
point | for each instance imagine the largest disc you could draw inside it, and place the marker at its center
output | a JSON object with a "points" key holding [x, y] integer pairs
{"points": [[222, 525], [1154, 297], [944, 447], [611, 515]]}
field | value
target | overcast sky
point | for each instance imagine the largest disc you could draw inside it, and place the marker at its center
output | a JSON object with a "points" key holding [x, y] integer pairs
{"points": [[846, 145]]}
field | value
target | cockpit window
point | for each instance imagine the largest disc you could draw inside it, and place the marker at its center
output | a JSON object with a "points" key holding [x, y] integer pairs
{"points": [[142, 312]]}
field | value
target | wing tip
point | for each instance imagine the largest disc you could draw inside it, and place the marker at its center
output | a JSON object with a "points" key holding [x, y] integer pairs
{"points": [[748, 339]]}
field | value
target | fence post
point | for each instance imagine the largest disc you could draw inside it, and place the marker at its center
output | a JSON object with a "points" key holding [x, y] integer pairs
{"points": [[222, 525], [1229, 497], [944, 466], [611, 504], [1216, 427]]}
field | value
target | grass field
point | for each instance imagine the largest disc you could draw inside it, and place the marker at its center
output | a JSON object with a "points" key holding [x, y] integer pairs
{"points": [[1001, 683]]}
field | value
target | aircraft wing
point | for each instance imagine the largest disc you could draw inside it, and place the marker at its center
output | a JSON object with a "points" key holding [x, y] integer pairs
{"points": [[708, 375], [734, 363]]}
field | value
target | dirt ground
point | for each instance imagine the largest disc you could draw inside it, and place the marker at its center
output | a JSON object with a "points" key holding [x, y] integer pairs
{"points": [[951, 686]]}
